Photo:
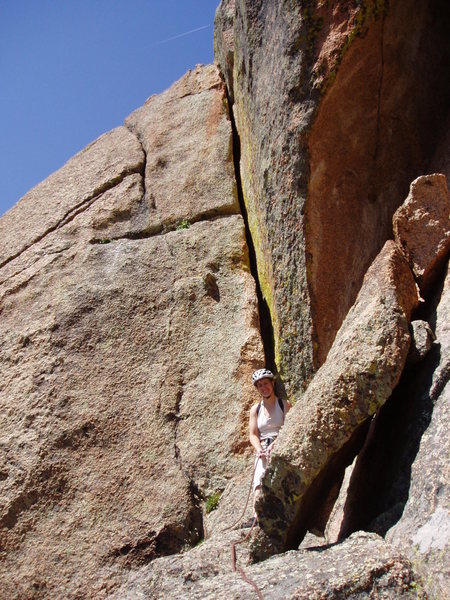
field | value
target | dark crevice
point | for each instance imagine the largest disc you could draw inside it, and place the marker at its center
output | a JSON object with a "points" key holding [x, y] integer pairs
{"points": [[321, 495], [379, 94], [265, 321], [195, 526], [144, 152], [381, 479]]}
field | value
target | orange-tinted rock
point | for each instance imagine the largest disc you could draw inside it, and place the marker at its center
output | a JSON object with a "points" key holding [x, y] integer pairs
{"points": [[333, 125], [422, 227]]}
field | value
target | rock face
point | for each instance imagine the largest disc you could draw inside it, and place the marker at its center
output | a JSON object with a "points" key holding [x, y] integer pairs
{"points": [[422, 227], [363, 567], [183, 158], [129, 323], [423, 532], [125, 347], [362, 368], [399, 483], [422, 338], [101, 166], [326, 157]]}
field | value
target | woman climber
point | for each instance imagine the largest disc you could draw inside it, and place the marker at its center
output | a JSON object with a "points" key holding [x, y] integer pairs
{"points": [[266, 420]]}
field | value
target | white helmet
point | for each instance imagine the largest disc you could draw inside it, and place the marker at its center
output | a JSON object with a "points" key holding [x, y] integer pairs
{"points": [[262, 374]]}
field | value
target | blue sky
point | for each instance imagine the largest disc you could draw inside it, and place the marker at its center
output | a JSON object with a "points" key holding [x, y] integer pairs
{"points": [[71, 70]]}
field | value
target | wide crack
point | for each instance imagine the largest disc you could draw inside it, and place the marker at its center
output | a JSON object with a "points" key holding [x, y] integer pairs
{"points": [[265, 321]]}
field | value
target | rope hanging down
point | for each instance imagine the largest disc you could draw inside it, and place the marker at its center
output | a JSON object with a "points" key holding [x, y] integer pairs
{"points": [[236, 567]]}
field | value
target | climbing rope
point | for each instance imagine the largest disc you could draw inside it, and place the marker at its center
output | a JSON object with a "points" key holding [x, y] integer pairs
{"points": [[239, 569], [248, 497], [236, 567]]}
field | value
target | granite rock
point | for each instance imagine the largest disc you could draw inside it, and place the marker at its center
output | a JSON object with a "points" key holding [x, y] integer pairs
{"points": [[325, 121], [362, 567], [422, 338], [127, 348], [56, 201], [183, 158], [423, 531], [422, 227], [363, 367]]}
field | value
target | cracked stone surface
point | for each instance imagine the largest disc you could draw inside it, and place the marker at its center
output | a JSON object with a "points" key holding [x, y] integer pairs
{"points": [[361, 568], [100, 166], [363, 367], [422, 228], [126, 352], [183, 158], [423, 531], [326, 121]]}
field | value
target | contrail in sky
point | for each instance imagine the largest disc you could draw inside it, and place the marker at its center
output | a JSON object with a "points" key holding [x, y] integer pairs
{"points": [[175, 37]]}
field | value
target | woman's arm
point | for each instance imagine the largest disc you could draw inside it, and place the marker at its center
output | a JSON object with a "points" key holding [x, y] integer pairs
{"points": [[253, 430]]}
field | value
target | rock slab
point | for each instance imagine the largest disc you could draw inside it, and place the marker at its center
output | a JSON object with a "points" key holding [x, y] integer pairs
{"points": [[363, 367], [362, 567], [422, 227], [326, 121], [127, 348]]}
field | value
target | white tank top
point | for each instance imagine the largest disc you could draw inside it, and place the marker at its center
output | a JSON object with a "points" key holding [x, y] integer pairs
{"points": [[270, 426]]}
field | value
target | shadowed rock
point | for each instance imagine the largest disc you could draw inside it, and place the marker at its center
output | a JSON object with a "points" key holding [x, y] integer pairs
{"points": [[399, 482], [423, 531], [422, 338], [334, 123]]}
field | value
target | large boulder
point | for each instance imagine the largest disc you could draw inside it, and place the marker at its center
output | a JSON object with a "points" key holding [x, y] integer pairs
{"points": [[332, 103], [129, 331], [398, 485], [422, 227], [362, 368]]}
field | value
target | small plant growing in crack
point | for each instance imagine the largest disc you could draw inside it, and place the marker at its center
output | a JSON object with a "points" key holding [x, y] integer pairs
{"points": [[104, 241], [212, 502], [184, 224]]}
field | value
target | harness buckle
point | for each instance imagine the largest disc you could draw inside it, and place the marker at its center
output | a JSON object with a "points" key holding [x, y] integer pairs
{"points": [[265, 443]]}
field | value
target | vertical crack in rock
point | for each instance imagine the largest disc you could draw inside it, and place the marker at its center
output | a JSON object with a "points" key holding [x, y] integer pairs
{"points": [[144, 163], [380, 93], [265, 321], [195, 525]]}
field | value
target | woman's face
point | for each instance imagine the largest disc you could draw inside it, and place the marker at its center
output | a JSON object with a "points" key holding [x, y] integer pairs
{"points": [[265, 387]]}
